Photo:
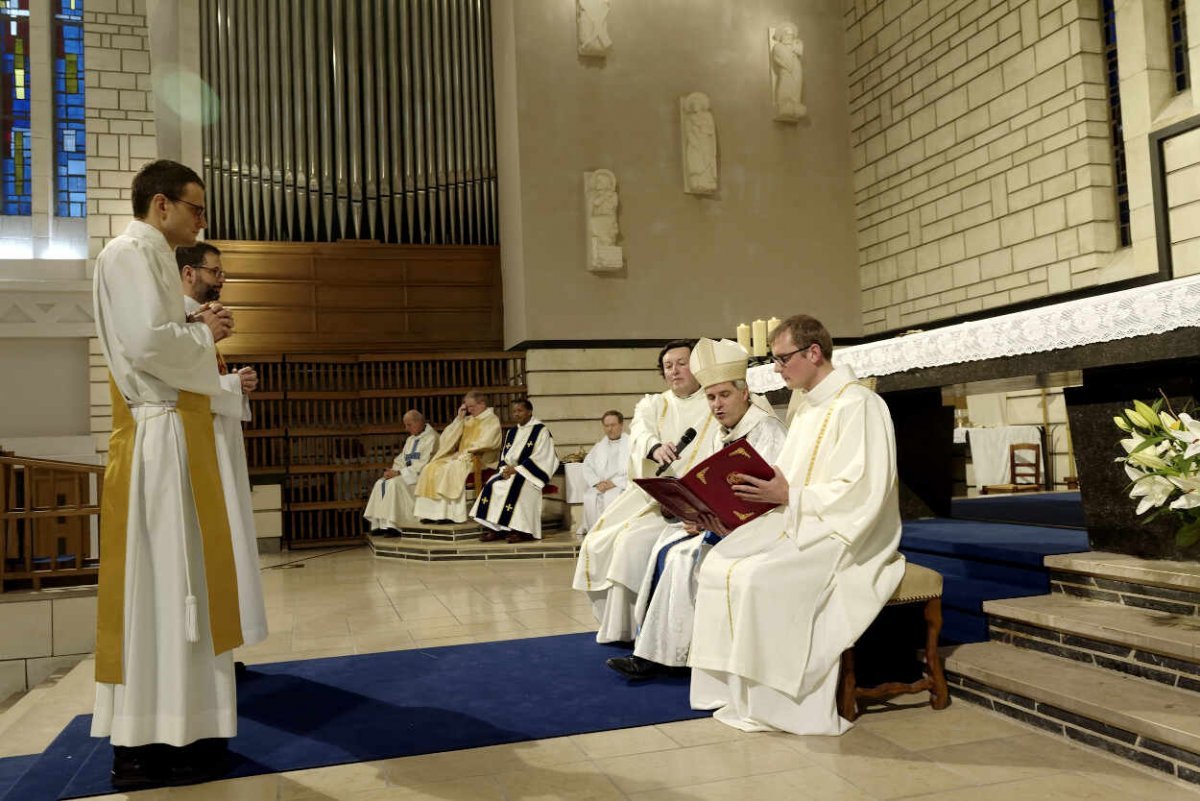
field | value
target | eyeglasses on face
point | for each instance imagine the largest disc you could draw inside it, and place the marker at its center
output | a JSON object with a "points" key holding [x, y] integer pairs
{"points": [[783, 358], [198, 211], [217, 272]]}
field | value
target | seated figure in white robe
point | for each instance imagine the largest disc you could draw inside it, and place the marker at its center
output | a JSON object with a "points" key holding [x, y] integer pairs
{"points": [[442, 486], [612, 558], [203, 277], [511, 500], [781, 597], [605, 469], [390, 506], [667, 598]]}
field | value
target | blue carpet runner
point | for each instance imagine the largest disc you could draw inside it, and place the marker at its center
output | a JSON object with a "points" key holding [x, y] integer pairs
{"points": [[1038, 509], [320, 712], [982, 562]]}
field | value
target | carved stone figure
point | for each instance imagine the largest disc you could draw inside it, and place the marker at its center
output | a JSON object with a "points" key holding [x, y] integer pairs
{"points": [[699, 144], [600, 207], [591, 19], [787, 73]]}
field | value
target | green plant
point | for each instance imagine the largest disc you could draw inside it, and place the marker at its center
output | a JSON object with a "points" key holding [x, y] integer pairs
{"points": [[1162, 460]]}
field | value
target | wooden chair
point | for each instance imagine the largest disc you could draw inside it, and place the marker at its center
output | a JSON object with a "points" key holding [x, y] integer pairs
{"points": [[919, 585], [1020, 469]]}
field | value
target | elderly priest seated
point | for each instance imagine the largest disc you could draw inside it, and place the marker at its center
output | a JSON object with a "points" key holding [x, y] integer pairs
{"points": [[391, 503], [667, 598], [442, 486], [511, 500]]}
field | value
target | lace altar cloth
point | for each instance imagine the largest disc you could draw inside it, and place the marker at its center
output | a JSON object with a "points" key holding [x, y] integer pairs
{"points": [[1153, 309]]}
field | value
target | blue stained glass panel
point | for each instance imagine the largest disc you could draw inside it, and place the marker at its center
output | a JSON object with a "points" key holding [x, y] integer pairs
{"points": [[70, 157], [16, 145]]}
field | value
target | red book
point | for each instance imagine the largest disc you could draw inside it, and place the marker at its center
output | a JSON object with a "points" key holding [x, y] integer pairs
{"points": [[708, 487]]}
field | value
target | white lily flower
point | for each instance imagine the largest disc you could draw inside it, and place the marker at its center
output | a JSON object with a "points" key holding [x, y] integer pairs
{"points": [[1190, 485], [1152, 491], [1188, 433]]}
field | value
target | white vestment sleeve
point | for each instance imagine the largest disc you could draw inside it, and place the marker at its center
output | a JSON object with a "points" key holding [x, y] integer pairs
{"points": [[181, 355], [848, 499], [593, 463], [620, 465], [643, 430], [229, 403]]}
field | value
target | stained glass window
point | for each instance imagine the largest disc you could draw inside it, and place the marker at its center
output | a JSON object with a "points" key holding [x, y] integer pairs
{"points": [[1177, 21], [1116, 129], [70, 163], [16, 146]]}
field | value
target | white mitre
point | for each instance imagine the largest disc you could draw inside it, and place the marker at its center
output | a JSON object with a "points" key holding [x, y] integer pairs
{"points": [[715, 362]]}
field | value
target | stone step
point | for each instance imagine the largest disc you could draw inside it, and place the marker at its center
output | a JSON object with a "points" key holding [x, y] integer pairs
{"points": [[555, 544], [1138, 633], [1155, 726], [1148, 584]]}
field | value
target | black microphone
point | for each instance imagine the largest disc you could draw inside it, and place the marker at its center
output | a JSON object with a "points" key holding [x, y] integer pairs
{"points": [[684, 441]]}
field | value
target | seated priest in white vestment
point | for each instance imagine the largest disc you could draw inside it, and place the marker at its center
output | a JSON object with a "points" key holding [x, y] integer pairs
{"points": [[203, 278], [442, 485], [605, 469], [781, 597], [666, 600], [168, 617], [613, 557], [510, 503], [390, 506]]}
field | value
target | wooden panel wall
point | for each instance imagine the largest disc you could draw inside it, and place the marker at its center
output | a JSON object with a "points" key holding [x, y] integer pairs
{"points": [[355, 297]]}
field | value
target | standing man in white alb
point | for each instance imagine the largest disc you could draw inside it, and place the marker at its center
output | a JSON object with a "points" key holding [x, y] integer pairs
{"points": [[203, 279], [612, 558], [783, 596], [390, 506], [167, 612], [605, 469]]}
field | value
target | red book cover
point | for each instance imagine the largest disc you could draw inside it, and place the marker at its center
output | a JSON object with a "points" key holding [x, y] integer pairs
{"points": [[708, 487]]}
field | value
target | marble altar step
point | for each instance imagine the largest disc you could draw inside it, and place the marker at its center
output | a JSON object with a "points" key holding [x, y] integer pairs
{"points": [[1147, 723], [466, 547]]}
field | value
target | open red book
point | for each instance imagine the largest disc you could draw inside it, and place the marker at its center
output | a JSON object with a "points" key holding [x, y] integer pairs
{"points": [[708, 487]]}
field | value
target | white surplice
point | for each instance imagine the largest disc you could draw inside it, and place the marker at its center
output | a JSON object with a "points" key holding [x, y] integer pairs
{"points": [[515, 504], [612, 557], [441, 492], [608, 460], [230, 410], [666, 605], [781, 597], [174, 691], [391, 502]]}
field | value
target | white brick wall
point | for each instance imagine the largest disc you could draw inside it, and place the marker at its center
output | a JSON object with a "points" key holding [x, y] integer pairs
{"points": [[120, 122], [981, 161], [1181, 160]]}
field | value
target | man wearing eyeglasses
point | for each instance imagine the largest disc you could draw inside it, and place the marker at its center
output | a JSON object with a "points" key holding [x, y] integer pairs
{"points": [[203, 278], [167, 610], [780, 598]]}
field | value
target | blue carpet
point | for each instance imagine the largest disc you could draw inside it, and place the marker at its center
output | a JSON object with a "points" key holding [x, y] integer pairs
{"points": [[1039, 509], [12, 769], [320, 712], [983, 561]]}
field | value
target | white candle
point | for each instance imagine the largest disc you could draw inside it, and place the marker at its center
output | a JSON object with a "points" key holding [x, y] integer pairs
{"points": [[759, 329], [772, 324], [743, 336]]}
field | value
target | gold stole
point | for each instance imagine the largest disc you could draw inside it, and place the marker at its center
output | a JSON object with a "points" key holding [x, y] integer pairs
{"points": [[219, 572]]}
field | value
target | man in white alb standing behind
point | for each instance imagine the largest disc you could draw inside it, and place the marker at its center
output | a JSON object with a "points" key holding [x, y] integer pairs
{"points": [[203, 278], [605, 469]]}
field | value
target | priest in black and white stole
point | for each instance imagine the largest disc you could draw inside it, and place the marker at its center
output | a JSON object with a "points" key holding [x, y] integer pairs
{"points": [[511, 500]]}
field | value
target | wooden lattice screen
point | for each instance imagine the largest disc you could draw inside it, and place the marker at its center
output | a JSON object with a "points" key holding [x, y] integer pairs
{"points": [[327, 426]]}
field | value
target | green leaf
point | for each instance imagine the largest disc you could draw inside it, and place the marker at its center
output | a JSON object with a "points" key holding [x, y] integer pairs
{"points": [[1188, 534], [1147, 414]]}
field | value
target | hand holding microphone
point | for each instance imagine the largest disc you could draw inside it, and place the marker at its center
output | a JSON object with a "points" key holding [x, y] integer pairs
{"points": [[671, 452]]}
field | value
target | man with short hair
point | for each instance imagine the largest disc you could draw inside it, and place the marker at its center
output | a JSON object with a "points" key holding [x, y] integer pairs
{"points": [[511, 500], [203, 278], [612, 558], [390, 506], [667, 598], [167, 613], [783, 596], [442, 485], [605, 469]]}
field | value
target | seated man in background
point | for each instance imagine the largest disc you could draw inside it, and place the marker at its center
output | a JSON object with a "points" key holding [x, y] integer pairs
{"points": [[605, 469], [612, 558], [391, 502], [442, 485], [781, 597], [511, 500], [666, 602]]}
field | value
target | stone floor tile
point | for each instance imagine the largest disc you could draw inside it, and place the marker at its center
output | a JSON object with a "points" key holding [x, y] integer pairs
{"points": [[746, 756], [807, 782], [624, 741]]}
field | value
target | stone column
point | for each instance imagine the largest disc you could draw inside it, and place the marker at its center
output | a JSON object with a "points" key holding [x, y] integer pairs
{"points": [[924, 451]]}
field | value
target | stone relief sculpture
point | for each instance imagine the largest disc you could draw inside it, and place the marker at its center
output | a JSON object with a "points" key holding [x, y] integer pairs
{"points": [[591, 19], [699, 144], [600, 207], [787, 73]]}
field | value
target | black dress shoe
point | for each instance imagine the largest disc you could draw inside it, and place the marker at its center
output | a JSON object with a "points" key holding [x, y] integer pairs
{"points": [[141, 766], [635, 668], [201, 761], [428, 521], [391, 533]]}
